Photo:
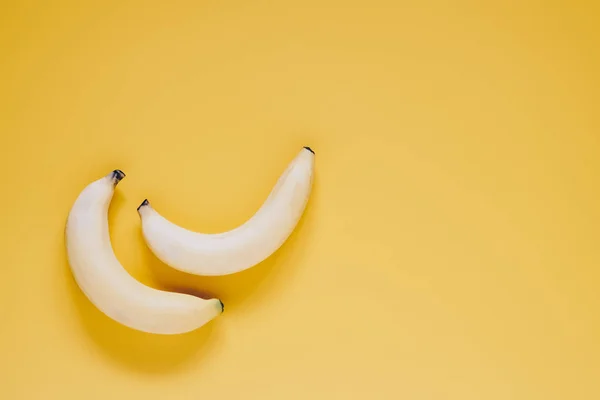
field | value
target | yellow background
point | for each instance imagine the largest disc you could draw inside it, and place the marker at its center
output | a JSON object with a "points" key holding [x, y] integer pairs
{"points": [[450, 249]]}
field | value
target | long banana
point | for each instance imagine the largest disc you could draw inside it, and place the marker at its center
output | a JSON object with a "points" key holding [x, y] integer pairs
{"points": [[109, 286], [243, 247]]}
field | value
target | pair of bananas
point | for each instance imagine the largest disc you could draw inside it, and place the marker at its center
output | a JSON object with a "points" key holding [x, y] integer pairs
{"points": [[121, 297]]}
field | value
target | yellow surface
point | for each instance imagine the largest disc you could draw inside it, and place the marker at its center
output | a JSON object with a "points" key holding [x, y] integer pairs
{"points": [[450, 249]]}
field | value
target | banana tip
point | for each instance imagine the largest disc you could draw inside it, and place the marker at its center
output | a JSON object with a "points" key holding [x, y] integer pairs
{"points": [[222, 306], [117, 176], [144, 204], [309, 149]]}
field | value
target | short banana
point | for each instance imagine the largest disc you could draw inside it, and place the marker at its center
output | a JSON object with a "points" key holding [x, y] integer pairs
{"points": [[109, 286], [243, 247]]}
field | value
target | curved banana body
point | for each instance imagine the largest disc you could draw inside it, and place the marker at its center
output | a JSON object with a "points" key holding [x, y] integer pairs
{"points": [[109, 286], [243, 247]]}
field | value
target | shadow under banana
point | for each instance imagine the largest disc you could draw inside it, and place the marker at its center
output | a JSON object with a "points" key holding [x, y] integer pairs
{"points": [[140, 351], [241, 289]]}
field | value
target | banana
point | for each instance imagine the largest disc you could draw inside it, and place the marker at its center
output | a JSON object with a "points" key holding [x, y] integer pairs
{"points": [[240, 248], [109, 286]]}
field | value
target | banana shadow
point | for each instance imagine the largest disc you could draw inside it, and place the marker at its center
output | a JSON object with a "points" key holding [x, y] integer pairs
{"points": [[139, 351], [238, 290]]}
